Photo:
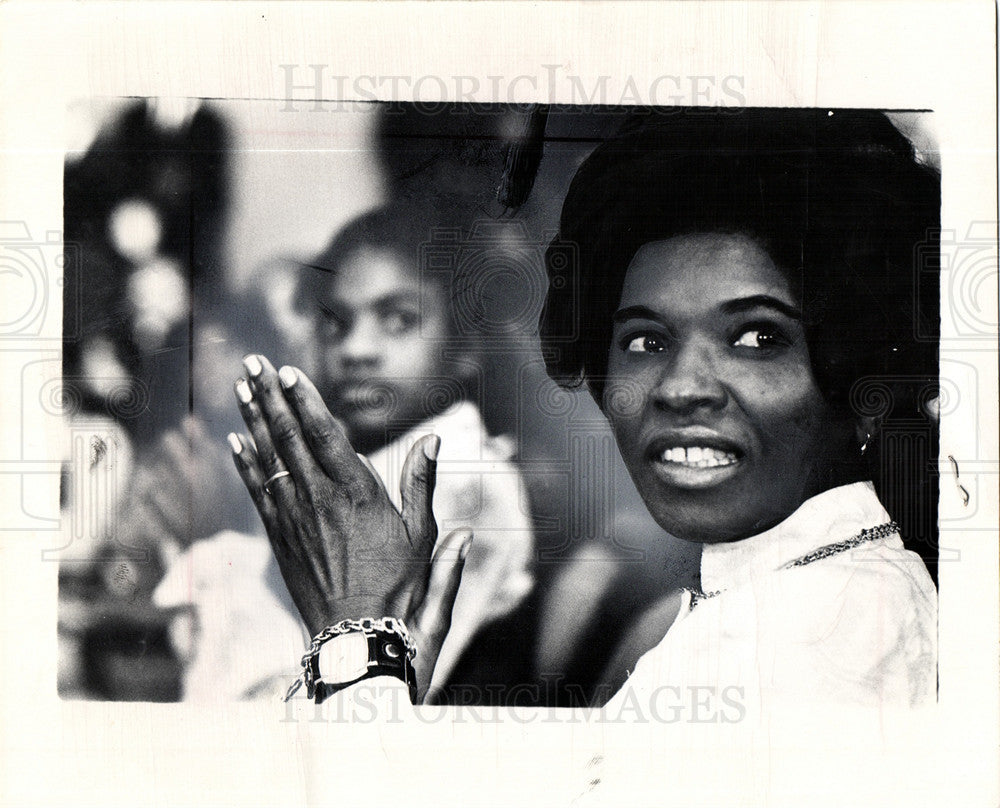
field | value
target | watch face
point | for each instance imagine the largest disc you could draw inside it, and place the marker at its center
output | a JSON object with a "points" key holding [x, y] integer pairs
{"points": [[343, 659]]}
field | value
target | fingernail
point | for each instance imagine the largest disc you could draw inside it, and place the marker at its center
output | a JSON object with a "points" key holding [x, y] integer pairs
{"points": [[243, 391], [234, 442], [288, 377], [431, 447], [253, 365]]}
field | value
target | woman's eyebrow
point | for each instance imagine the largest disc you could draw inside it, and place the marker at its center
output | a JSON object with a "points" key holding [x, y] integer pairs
{"points": [[331, 310], [317, 267], [395, 299], [743, 304], [638, 312]]}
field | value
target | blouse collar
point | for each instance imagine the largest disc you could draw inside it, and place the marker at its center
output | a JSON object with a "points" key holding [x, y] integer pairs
{"points": [[834, 515]]}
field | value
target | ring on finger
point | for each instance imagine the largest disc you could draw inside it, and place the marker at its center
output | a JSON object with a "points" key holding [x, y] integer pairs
{"points": [[276, 476]]}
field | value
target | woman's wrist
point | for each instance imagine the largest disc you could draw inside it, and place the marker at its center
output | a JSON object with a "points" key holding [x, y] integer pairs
{"points": [[346, 609]]}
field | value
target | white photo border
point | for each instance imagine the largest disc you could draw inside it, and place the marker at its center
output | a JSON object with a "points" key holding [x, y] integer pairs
{"points": [[938, 56]]}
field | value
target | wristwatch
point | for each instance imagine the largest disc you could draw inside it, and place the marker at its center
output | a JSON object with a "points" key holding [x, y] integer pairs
{"points": [[364, 653]]}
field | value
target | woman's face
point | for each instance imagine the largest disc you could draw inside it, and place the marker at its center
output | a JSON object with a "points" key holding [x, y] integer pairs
{"points": [[381, 332], [711, 393]]}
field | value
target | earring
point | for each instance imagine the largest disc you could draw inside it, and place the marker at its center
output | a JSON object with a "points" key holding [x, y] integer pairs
{"points": [[864, 446]]}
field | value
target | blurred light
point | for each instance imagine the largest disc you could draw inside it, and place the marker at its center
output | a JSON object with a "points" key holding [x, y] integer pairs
{"points": [[932, 408], [135, 230], [159, 297], [86, 119], [216, 356], [918, 128], [81, 132], [100, 366]]}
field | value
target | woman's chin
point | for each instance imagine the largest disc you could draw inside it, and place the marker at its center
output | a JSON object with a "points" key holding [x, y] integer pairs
{"points": [[706, 519], [698, 534], [715, 523]]}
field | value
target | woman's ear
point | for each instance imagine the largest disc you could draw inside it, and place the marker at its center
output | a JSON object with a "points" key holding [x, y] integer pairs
{"points": [[864, 428]]}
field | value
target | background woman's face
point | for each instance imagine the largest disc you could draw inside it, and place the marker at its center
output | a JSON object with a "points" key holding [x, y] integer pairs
{"points": [[711, 393], [380, 333]]}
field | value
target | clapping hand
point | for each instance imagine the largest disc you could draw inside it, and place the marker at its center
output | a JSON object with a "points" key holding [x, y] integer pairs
{"points": [[344, 549], [182, 489]]}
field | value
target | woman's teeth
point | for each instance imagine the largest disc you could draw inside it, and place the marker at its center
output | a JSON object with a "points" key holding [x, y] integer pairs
{"points": [[699, 456]]}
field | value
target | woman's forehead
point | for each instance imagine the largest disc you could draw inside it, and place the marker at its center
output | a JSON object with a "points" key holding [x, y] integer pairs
{"points": [[702, 271], [369, 273]]}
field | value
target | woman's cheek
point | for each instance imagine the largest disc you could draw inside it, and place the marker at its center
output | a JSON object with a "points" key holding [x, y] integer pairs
{"points": [[625, 400], [795, 427]]}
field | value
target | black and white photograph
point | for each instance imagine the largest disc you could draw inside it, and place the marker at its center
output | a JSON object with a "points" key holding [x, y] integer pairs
{"points": [[430, 317], [551, 435]]}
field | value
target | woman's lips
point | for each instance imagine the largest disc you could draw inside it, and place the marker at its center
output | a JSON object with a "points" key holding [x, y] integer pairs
{"points": [[695, 459], [364, 396], [698, 456]]}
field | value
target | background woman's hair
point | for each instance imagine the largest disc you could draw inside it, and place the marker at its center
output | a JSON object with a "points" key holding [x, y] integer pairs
{"points": [[408, 228], [843, 207]]}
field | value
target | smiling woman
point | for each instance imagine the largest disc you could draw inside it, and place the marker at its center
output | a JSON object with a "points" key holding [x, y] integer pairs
{"points": [[740, 277], [719, 353]]}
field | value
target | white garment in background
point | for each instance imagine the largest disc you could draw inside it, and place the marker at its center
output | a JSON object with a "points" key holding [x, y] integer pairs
{"points": [[247, 638], [478, 487], [242, 636]]}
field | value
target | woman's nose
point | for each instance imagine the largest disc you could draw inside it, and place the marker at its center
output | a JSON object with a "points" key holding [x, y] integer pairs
{"points": [[361, 345], [688, 381]]}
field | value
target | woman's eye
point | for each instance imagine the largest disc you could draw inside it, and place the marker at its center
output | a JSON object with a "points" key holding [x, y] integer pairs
{"points": [[331, 327], [645, 343], [331, 321], [399, 322], [760, 337]]}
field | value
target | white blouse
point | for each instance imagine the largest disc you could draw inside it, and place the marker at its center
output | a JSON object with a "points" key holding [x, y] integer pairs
{"points": [[846, 626]]}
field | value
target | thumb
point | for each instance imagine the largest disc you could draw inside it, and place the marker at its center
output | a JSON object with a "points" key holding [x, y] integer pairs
{"points": [[416, 489], [443, 581]]}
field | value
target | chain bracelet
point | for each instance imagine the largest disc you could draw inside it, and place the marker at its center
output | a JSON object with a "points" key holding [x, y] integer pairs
{"points": [[392, 625], [697, 595]]}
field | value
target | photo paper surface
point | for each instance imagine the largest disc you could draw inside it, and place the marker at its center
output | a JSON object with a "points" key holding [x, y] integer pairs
{"points": [[532, 257]]}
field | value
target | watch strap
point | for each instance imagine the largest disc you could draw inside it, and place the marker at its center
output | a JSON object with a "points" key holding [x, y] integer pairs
{"points": [[387, 656]]}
